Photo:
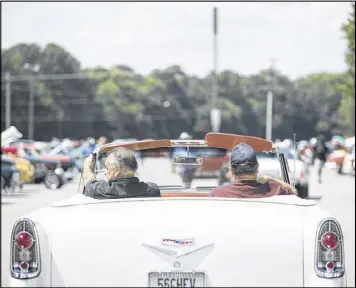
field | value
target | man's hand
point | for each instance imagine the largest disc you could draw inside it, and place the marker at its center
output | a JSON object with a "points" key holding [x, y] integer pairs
{"points": [[88, 169], [89, 163]]}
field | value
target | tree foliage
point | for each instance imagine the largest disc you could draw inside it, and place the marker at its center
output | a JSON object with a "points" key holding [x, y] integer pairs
{"points": [[347, 87], [119, 103]]}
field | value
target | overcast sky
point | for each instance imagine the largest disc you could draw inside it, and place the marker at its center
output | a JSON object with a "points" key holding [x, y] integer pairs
{"points": [[303, 37]]}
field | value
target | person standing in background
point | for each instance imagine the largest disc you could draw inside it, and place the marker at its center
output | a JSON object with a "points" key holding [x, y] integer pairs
{"points": [[101, 141], [321, 152], [88, 147]]}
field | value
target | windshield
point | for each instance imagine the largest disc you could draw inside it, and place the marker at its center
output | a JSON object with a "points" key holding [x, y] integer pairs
{"points": [[211, 173]]}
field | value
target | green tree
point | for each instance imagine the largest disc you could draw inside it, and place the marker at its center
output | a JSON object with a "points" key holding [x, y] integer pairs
{"points": [[117, 102], [347, 107]]}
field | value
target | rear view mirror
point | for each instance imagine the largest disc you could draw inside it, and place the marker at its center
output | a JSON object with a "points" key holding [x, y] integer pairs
{"points": [[197, 161]]}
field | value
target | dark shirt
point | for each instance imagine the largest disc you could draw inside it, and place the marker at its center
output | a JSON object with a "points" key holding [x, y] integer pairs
{"points": [[129, 187], [252, 189], [321, 151]]}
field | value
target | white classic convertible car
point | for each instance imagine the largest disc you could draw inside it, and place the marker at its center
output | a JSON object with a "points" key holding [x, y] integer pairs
{"points": [[183, 239]]}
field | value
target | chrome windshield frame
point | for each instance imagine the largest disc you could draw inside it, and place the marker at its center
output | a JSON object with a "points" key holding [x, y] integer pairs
{"points": [[283, 163]]}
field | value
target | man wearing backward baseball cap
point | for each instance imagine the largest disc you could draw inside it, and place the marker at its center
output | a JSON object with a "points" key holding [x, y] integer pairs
{"points": [[243, 172]]}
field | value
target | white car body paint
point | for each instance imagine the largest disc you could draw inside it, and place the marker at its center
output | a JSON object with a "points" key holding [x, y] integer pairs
{"points": [[237, 242]]}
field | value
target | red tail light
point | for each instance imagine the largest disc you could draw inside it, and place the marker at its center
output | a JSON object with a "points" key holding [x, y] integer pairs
{"points": [[329, 240], [329, 252], [23, 240], [24, 265], [25, 262], [330, 265]]}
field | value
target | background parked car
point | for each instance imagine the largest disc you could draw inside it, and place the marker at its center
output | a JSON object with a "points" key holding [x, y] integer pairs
{"points": [[25, 167], [51, 161], [10, 175], [41, 166], [213, 160]]}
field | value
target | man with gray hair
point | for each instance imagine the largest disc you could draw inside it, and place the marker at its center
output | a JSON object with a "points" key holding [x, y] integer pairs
{"points": [[121, 166]]}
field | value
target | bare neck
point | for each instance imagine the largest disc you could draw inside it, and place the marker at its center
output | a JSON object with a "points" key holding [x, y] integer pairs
{"points": [[249, 176]]}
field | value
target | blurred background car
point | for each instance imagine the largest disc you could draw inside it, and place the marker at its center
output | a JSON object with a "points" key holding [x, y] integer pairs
{"points": [[213, 160], [10, 175], [52, 161], [25, 167], [41, 166]]}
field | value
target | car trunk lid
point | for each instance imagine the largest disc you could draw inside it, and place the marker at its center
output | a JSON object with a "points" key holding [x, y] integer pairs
{"points": [[235, 243]]}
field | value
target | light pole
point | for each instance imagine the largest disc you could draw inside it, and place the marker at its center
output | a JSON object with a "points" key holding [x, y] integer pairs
{"points": [[269, 115], [31, 102], [269, 106], [269, 87], [215, 57], [215, 114], [31, 108], [8, 100]]}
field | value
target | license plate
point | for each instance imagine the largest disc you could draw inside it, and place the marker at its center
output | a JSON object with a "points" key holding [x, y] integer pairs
{"points": [[176, 279]]}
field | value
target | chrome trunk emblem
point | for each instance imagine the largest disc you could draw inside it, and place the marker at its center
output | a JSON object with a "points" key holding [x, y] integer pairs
{"points": [[185, 259], [177, 242]]}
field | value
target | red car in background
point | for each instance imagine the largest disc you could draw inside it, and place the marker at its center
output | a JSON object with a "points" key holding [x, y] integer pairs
{"points": [[28, 149], [213, 160]]}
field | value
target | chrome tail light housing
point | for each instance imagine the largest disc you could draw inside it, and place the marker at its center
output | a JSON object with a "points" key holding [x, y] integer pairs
{"points": [[25, 260], [329, 250]]}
